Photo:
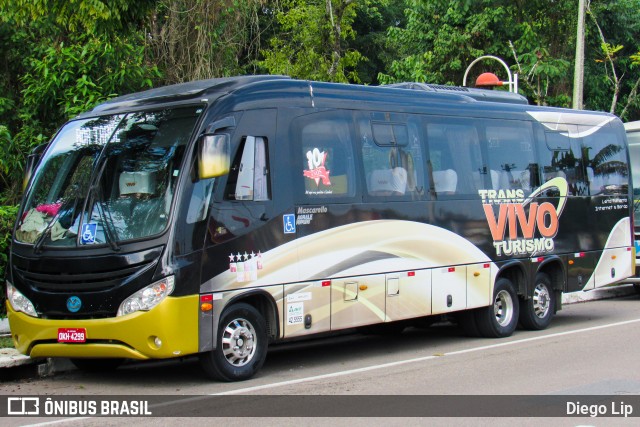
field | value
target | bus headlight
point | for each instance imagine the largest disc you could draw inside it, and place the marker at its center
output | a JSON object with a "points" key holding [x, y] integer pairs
{"points": [[147, 298], [19, 302]]}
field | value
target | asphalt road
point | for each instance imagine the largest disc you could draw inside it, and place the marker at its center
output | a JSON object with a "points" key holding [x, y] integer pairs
{"points": [[591, 348]]}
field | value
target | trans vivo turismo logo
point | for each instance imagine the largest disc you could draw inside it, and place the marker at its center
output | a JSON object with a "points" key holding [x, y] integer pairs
{"points": [[519, 225]]}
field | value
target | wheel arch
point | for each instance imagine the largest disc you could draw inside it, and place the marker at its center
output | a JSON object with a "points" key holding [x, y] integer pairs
{"points": [[555, 269], [266, 306], [515, 272]]}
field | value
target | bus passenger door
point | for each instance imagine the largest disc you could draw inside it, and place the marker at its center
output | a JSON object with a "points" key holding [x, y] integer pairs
{"points": [[408, 295]]}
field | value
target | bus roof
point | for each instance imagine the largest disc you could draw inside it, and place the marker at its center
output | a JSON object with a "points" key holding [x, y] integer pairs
{"points": [[256, 90], [632, 126]]}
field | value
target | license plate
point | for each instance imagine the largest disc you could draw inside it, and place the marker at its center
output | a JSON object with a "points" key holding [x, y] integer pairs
{"points": [[72, 335]]}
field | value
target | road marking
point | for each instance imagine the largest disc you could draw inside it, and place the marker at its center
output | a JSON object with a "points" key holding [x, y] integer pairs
{"points": [[365, 369], [418, 359]]}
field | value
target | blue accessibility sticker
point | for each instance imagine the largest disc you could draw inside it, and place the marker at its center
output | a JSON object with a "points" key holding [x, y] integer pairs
{"points": [[88, 235], [289, 221]]}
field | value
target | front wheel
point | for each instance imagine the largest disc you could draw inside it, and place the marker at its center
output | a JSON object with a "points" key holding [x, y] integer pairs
{"points": [[241, 345], [501, 318], [537, 312]]}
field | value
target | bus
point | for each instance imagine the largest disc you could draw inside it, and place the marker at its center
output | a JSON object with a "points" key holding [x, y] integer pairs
{"points": [[633, 137], [216, 217]]}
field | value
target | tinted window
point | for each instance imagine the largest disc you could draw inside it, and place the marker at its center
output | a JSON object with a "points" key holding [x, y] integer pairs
{"points": [[510, 156], [455, 158], [392, 158], [605, 158], [324, 157]]}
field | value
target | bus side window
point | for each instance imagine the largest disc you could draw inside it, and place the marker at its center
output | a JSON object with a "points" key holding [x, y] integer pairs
{"points": [[326, 158], [510, 156], [388, 164], [561, 157], [249, 176], [454, 155], [605, 161]]}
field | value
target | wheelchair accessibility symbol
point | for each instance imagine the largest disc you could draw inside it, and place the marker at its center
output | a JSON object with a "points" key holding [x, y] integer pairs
{"points": [[289, 223], [88, 233]]}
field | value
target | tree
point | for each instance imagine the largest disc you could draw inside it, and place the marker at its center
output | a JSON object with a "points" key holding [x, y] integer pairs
{"points": [[442, 37], [537, 71], [195, 39], [78, 16], [616, 54], [311, 41], [373, 18], [62, 58]]}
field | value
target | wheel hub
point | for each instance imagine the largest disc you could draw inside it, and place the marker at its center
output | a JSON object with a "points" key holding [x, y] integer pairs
{"points": [[503, 308], [541, 300], [238, 342]]}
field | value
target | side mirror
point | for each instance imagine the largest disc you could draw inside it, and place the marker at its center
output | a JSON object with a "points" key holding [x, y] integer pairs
{"points": [[214, 158]]}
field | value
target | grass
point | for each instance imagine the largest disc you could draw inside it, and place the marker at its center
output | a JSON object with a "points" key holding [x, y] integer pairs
{"points": [[6, 342]]}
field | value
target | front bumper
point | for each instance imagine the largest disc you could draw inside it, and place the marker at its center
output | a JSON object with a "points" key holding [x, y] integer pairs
{"points": [[174, 321]]}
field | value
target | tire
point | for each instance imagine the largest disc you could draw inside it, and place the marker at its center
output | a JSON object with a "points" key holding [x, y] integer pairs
{"points": [[538, 310], [96, 365], [241, 345], [501, 317], [636, 287]]}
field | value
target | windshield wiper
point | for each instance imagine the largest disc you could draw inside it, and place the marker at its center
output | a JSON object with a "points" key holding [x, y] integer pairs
{"points": [[95, 193], [108, 226]]}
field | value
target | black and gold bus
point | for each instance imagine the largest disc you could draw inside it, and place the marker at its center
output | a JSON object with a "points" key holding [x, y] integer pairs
{"points": [[214, 217]]}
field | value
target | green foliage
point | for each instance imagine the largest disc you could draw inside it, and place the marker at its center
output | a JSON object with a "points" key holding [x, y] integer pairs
{"points": [[195, 39], [56, 80], [442, 37], [311, 43], [7, 219], [6, 342], [373, 18], [77, 15], [539, 69], [70, 79], [619, 22]]}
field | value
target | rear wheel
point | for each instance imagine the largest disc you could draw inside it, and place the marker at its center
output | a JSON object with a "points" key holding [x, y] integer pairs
{"points": [[241, 345], [537, 311], [501, 318], [96, 365]]}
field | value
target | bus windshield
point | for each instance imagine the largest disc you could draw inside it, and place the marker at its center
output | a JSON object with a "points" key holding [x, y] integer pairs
{"points": [[107, 179]]}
